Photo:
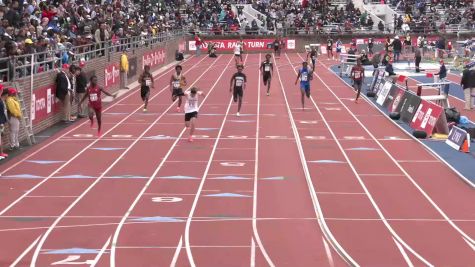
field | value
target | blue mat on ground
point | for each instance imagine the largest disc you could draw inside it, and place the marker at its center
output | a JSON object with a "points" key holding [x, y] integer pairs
{"points": [[462, 162]]}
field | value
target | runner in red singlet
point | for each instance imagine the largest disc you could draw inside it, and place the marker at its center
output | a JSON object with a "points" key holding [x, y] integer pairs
{"points": [[357, 74], [93, 93]]}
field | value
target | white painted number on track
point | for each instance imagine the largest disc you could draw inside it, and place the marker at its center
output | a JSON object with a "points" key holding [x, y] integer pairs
{"points": [[309, 122], [232, 164], [238, 136], [72, 260], [333, 108], [121, 135], [166, 199], [276, 137], [354, 137], [316, 137], [82, 135]]}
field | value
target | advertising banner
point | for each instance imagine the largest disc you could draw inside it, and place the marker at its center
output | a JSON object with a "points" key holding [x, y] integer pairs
{"points": [[154, 58], [249, 44], [409, 107], [398, 98], [132, 67], [426, 117], [44, 104], [111, 75]]}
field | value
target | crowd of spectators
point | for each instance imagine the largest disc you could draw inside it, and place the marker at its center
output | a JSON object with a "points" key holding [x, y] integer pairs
{"points": [[314, 15], [52, 27], [423, 15]]}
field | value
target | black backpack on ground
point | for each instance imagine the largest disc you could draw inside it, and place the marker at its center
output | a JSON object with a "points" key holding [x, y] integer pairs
{"points": [[452, 114]]}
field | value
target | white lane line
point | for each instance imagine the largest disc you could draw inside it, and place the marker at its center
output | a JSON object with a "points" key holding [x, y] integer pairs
{"points": [[27, 250], [256, 179], [177, 252], [358, 177], [101, 252], [50, 196], [253, 253], [328, 252], [404, 254], [316, 205], [153, 176], [71, 159], [85, 122], [409, 177], [96, 181]]}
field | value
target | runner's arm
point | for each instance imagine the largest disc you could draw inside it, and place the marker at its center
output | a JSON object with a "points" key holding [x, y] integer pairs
{"points": [[184, 81], [107, 93], [298, 77], [171, 83], [231, 84]]}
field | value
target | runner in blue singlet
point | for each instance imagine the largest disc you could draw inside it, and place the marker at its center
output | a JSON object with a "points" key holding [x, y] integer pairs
{"points": [[305, 75]]}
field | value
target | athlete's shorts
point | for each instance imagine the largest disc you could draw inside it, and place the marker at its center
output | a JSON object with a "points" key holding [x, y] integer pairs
{"points": [[313, 61], [329, 49], [306, 88], [96, 107], [237, 55], [237, 92], [266, 77], [144, 92], [178, 92], [338, 50], [190, 115], [358, 84]]}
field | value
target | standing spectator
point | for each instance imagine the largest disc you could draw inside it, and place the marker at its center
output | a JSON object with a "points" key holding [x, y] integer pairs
{"points": [[63, 92], [370, 46], [442, 72], [418, 58], [3, 118], [397, 48], [198, 44], [81, 84], [101, 36], [124, 69], [468, 84], [14, 112]]}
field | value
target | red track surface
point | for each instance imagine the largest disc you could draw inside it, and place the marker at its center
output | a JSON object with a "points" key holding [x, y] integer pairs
{"points": [[341, 191]]}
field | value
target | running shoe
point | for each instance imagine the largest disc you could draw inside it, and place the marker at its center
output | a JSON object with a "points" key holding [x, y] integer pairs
{"points": [[144, 110], [177, 109], [2, 158], [268, 94], [4, 155], [237, 114], [99, 133]]}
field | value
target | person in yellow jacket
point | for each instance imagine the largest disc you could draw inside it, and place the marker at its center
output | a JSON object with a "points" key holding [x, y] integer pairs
{"points": [[124, 69], [14, 113]]}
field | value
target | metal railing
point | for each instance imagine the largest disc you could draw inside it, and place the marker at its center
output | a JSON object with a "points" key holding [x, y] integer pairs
{"points": [[15, 67]]}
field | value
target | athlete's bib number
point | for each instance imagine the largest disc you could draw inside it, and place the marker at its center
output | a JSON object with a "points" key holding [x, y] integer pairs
{"points": [[267, 68], [93, 97], [239, 82], [314, 57], [357, 75], [148, 82], [304, 77], [176, 84]]}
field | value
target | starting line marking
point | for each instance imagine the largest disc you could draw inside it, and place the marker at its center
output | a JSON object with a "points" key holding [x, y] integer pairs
{"points": [[354, 137], [276, 136]]}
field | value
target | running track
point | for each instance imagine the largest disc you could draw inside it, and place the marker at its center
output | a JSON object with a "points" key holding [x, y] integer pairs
{"points": [[336, 184]]}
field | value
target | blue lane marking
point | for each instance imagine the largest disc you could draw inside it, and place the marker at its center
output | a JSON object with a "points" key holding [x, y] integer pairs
{"points": [[207, 129], [226, 195], [157, 219], [128, 176], [74, 176], [179, 177], [108, 148], [45, 161], [159, 137], [230, 178], [326, 161], [73, 251]]}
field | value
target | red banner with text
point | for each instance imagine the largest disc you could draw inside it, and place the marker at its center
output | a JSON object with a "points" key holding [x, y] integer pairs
{"points": [[112, 75], [154, 58], [44, 104], [426, 117]]}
